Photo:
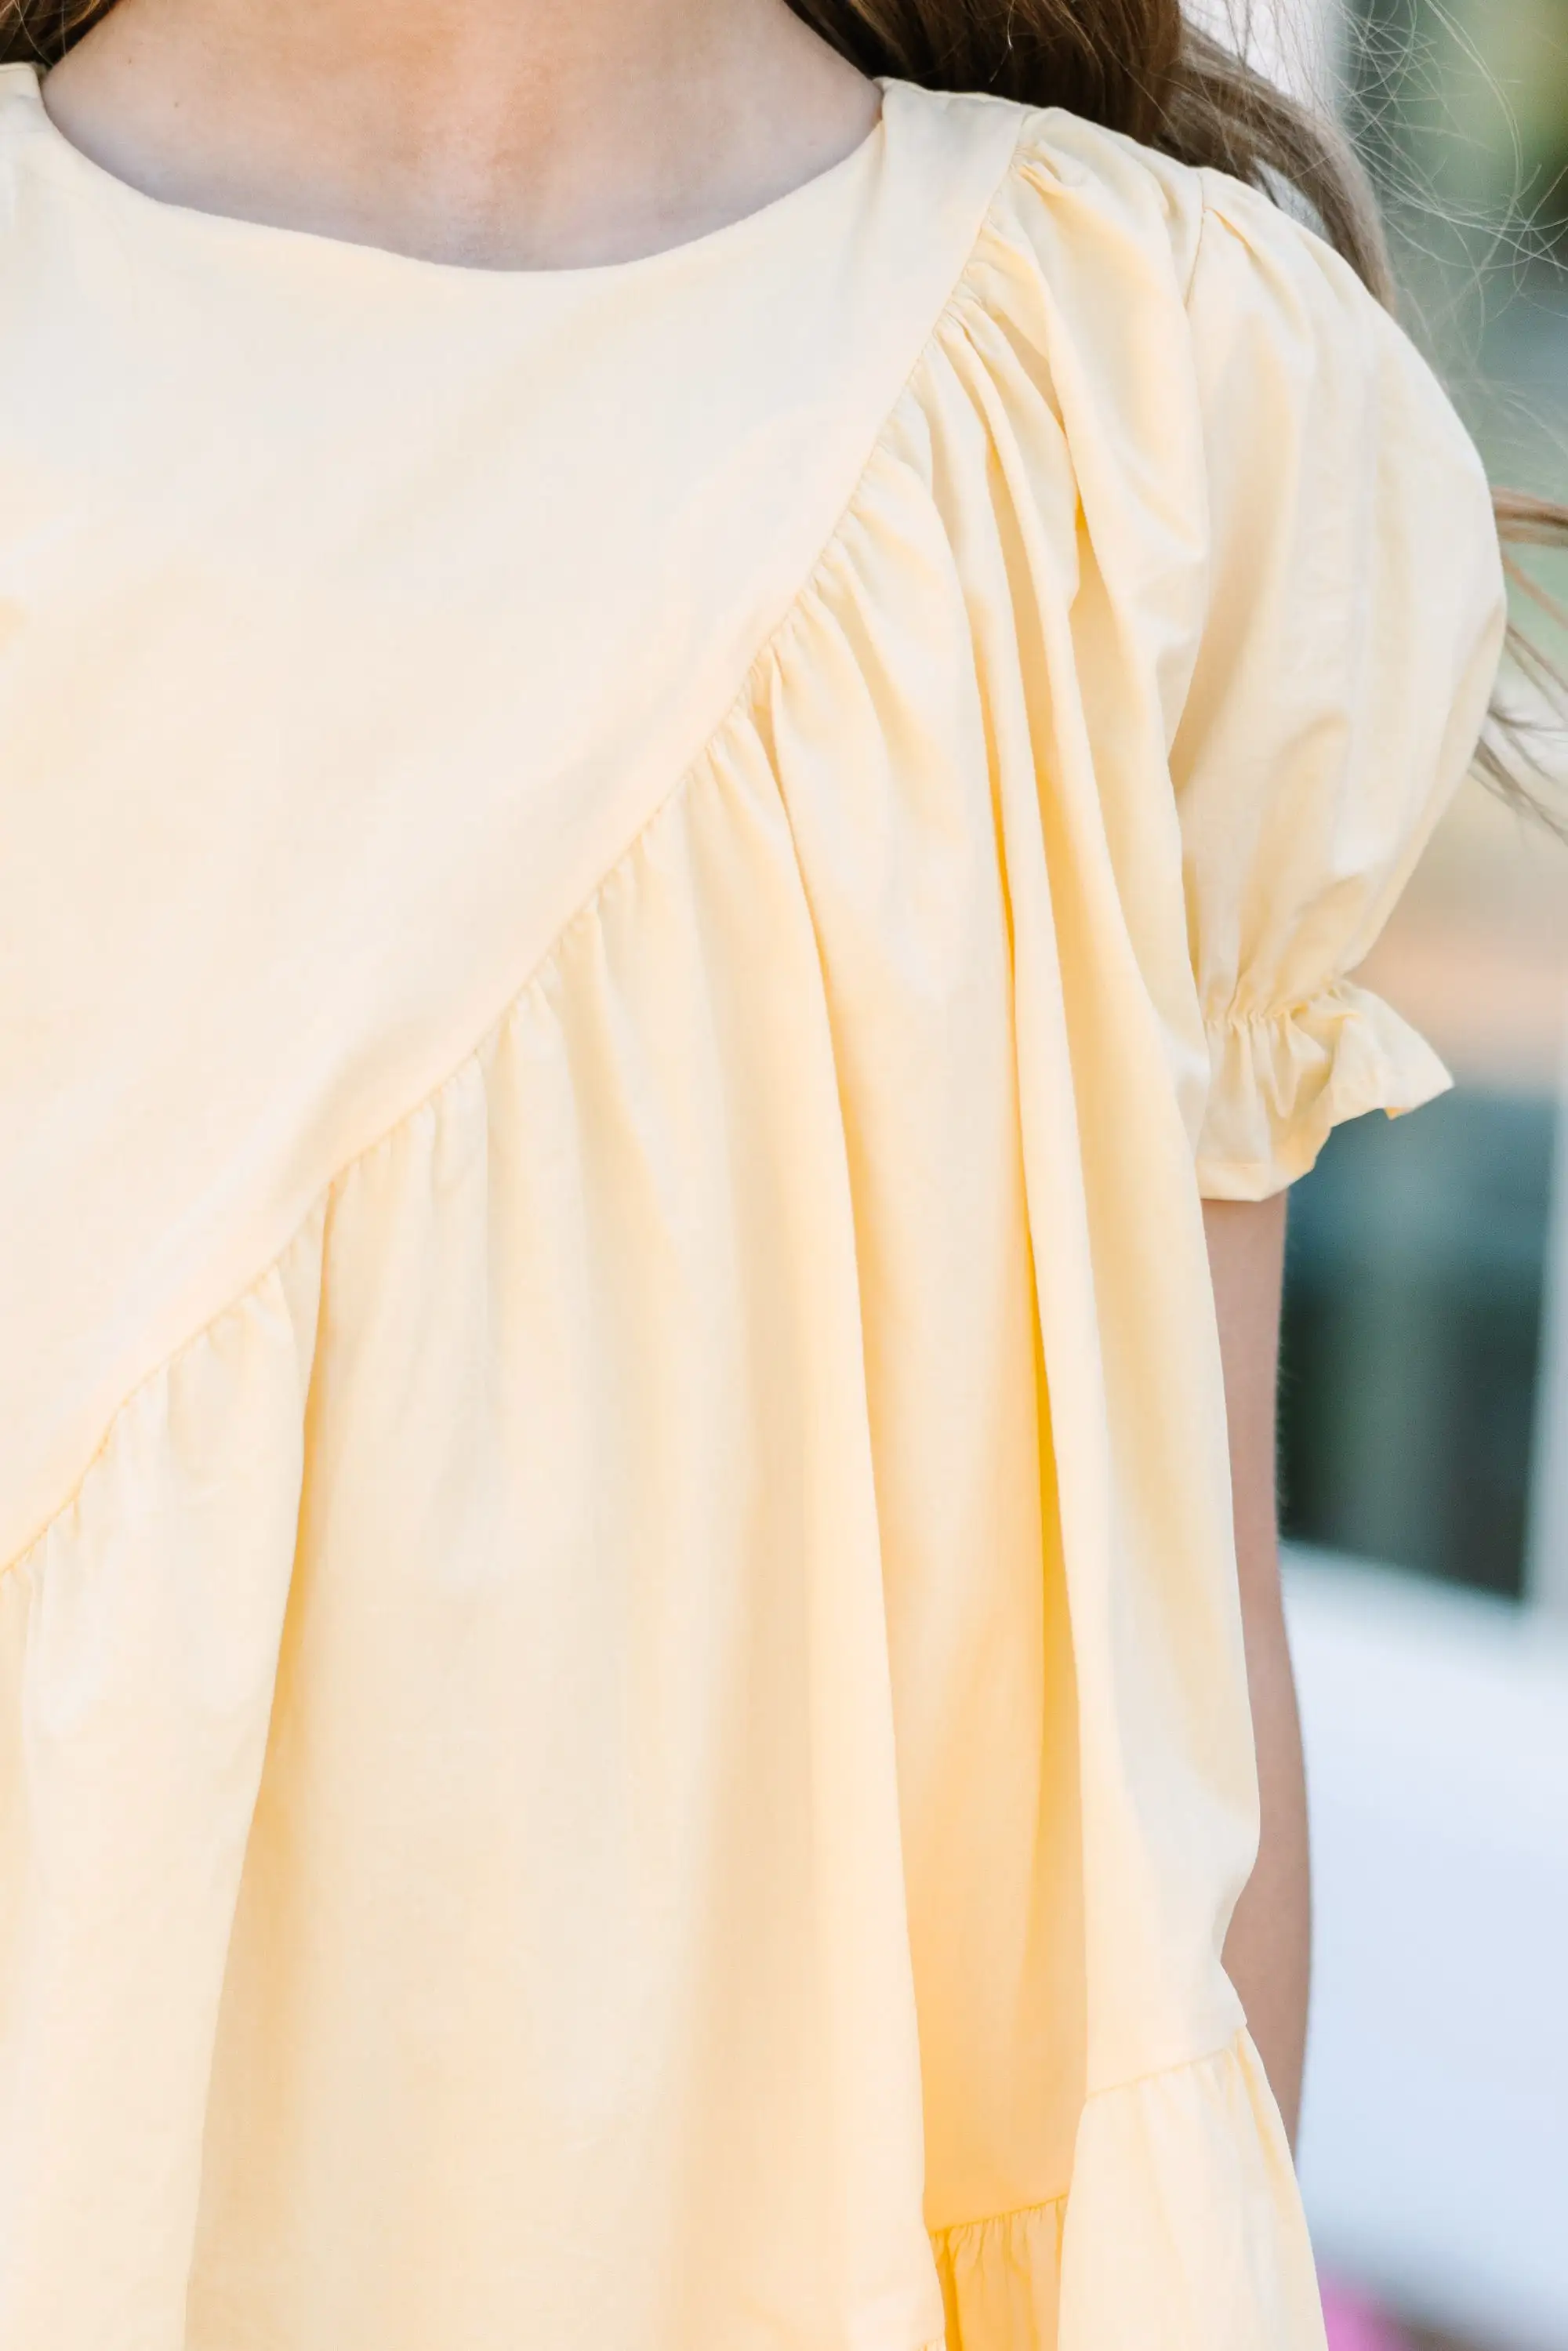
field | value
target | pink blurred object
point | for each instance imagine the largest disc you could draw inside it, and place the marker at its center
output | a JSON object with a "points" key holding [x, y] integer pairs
{"points": [[1353, 2323]]}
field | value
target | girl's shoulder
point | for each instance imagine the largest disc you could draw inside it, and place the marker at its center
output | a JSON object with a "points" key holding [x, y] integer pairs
{"points": [[1072, 188], [1113, 231], [1170, 304]]}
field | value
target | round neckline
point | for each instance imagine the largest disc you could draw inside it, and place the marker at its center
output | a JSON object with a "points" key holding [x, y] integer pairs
{"points": [[803, 197]]}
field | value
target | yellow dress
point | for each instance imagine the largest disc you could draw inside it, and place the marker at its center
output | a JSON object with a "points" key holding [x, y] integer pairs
{"points": [[638, 904]]}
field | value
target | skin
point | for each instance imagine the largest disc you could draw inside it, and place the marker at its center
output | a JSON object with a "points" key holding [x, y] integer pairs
{"points": [[1266, 1951], [495, 133], [523, 134]]}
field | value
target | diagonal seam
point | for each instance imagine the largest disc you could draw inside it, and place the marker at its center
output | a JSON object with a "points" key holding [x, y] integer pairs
{"points": [[702, 761]]}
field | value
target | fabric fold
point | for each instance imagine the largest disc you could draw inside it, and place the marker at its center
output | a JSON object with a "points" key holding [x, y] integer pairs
{"points": [[1281, 1080], [1184, 2228], [1001, 2280], [138, 1646]]}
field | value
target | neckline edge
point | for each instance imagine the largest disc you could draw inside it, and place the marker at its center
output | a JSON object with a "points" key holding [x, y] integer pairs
{"points": [[26, 81]]}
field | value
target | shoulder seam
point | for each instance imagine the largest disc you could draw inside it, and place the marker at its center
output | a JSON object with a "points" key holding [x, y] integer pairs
{"points": [[1204, 218]]}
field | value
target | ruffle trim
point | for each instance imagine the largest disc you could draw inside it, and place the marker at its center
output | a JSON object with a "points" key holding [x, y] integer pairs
{"points": [[1182, 2230], [1001, 2280], [1280, 1081]]}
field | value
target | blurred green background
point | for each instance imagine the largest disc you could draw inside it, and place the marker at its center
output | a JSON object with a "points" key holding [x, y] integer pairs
{"points": [[1461, 112]]}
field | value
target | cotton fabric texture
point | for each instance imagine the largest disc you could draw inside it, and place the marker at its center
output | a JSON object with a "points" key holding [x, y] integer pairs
{"points": [[639, 904]]}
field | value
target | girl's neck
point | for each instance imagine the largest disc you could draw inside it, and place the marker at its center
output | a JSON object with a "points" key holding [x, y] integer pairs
{"points": [[500, 133]]}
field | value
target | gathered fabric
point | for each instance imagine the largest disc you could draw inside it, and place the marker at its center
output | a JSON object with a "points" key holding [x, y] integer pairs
{"points": [[658, 894]]}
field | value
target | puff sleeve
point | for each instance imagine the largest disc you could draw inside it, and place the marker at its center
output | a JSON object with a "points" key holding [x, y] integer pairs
{"points": [[1353, 625]]}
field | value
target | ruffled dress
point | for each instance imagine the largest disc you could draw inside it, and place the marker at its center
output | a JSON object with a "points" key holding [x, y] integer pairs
{"points": [[637, 905]]}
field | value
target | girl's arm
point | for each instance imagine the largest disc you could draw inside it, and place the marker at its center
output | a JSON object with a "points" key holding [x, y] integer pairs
{"points": [[1266, 1951]]}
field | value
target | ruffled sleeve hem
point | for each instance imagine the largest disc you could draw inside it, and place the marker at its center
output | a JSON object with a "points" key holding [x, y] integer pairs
{"points": [[1280, 1081], [1182, 2226]]}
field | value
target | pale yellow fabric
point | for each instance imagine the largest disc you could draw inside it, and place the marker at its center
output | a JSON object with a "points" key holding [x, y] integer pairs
{"points": [[637, 906]]}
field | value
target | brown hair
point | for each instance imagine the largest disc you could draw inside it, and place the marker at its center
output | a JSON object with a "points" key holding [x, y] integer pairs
{"points": [[1137, 66]]}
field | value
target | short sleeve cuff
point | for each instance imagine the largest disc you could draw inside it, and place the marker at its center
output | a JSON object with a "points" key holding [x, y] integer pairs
{"points": [[1279, 1081]]}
